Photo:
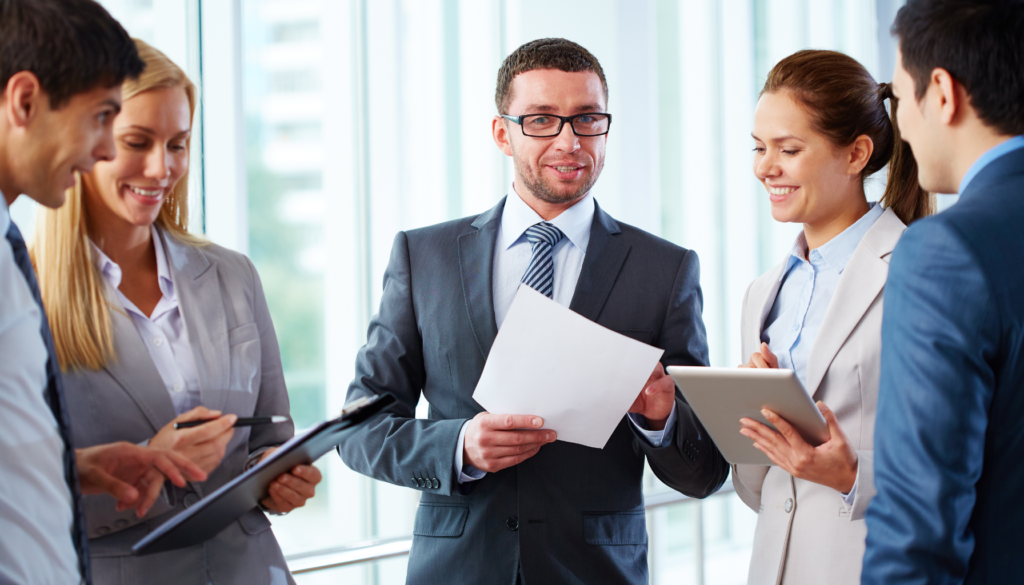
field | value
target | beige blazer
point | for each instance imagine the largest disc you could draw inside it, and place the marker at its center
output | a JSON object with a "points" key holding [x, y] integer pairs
{"points": [[805, 531]]}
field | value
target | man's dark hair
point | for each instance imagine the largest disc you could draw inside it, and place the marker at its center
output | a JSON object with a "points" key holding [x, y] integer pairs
{"points": [[979, 42], [72, 46], [560, 54]]}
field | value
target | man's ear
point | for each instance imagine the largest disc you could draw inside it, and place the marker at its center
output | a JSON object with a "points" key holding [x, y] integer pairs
{"points": [[948, 95], [23, 97], [500, 133]]}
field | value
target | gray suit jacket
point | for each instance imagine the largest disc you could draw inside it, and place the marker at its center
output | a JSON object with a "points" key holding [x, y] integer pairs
{"points": [[239, 367], [806, 534], [570, 514]]}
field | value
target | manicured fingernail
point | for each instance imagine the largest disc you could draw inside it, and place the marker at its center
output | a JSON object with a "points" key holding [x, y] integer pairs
{"points": [[537, 422], [547, 436], [765, 412]]}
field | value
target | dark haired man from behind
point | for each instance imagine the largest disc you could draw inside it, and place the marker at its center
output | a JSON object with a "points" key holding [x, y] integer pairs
{"points": [[61, 67], [948, 434], [502, 501]]}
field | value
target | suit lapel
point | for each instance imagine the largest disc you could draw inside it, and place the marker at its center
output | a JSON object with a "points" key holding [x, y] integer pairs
{"points": [[197, 287], [860, 284], [604, 259], [761, 301], [134, 371], [476, 265]]}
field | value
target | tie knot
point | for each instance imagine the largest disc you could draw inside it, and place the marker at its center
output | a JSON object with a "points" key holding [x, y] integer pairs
{"points": [[544, 233]]}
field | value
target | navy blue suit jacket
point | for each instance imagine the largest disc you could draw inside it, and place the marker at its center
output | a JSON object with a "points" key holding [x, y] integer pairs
{"points": [[949, 435]]}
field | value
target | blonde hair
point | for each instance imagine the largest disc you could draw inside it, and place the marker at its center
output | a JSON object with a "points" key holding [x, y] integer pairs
{"points": [[70, 284]]}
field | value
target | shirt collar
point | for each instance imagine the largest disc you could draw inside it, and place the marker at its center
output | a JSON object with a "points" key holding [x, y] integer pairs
{"points": [[574, 222], [5, 216], [989, 156], [836, 253], [112, 272]]}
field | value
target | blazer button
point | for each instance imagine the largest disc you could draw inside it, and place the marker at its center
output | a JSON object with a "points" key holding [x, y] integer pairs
{"points": [[190, 499], [434, 483], [512, 523], [120, 523], [789, 505]]}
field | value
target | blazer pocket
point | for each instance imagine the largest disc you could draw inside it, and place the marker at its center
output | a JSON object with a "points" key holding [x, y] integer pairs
{"points": [[641, 335], [254, 522], [615, 528], [440, 520], [244, 347]]}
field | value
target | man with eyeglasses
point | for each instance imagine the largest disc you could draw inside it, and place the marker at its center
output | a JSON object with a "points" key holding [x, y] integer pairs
{"points": [[502, 501]]}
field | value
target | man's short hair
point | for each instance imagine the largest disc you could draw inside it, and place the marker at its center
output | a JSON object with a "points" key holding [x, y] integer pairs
{"points": [[72, 46], [979, 42], [560, 54]]}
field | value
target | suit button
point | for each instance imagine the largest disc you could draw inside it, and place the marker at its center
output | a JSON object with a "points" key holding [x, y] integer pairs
{"points": [[190, 499], [434, 483], [103, 530], [119, 524], [789, 505], [512, 523]]}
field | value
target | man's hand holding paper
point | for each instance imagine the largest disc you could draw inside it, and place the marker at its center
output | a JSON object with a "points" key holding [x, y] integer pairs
{"points": [[577, 376]]}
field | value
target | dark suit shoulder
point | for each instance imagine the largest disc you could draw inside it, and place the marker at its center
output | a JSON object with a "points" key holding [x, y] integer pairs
{"points": [[651, 243]]}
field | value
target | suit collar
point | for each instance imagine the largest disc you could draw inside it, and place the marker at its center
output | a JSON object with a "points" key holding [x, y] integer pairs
{"points": [[476, 265], [860, 284], [197, 285]]}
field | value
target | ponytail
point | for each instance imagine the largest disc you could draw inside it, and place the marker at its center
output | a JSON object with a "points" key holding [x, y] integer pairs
{"points": [[903, 193]]}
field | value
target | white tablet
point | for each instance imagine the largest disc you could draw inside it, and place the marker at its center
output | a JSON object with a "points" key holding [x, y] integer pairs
{"points": [[722, 396]]}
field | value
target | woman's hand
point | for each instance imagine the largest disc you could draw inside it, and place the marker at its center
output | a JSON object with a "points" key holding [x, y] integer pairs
{"points": [[204, 444], [832, 464], [763, 359], [291, 490]]}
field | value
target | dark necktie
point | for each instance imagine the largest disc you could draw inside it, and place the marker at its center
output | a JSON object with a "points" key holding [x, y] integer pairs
{"points": [[540, 274], [55, 398]]}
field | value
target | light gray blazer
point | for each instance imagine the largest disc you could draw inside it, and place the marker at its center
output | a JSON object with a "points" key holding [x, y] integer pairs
{"points": [[239, 368], [806, 534]]}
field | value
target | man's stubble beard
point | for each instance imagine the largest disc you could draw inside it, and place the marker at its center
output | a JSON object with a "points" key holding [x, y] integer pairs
{"points": [[539, 188]]}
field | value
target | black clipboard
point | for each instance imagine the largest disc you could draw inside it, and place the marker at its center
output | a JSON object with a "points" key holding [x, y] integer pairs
{"points": [[207, 517]]}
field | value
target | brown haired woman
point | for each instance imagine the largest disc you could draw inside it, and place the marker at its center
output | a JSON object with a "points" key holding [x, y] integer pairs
{"points": [[820, 128], [155, 326]]}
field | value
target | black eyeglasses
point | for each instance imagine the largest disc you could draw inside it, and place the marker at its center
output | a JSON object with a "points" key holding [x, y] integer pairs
{"points": [[548, 125]]}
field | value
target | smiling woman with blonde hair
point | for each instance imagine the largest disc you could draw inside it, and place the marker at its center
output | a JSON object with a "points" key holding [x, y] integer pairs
{"points": [[155, 326]]}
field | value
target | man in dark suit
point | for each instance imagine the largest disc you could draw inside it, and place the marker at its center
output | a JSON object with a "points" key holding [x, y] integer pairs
{"points": [[948, 435], [502, 501]]}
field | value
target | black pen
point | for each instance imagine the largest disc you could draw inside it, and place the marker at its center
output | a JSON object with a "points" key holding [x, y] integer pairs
{"points": [[241, 422]]}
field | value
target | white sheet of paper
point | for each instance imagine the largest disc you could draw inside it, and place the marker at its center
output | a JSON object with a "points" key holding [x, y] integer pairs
{"points": [[549, 361]]}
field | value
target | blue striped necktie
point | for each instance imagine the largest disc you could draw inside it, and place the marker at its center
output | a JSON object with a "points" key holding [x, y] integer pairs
{"points": [[540, 275]]}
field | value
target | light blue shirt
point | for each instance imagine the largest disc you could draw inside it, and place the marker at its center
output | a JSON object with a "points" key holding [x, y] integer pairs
{"points": [[163, 331], [36, 514], [512, 253], [808, 283], [990, 155]]}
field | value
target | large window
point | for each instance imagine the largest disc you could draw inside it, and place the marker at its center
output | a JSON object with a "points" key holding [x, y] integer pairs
{"points": [[329, 125]]}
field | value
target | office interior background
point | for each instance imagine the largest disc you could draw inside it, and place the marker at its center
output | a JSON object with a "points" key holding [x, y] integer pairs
{"points": [[326, 126]]}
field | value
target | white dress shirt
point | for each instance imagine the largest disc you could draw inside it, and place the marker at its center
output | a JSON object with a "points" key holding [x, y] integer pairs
{"points": [[512, 253], [808, 283], [36, 516], [163, 332]]}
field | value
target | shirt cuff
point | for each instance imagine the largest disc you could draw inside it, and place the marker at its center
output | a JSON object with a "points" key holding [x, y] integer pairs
{"points": [[466, 473], [655, 438], [848, 498]]}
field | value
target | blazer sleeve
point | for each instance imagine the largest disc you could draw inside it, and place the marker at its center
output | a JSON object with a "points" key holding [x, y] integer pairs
{"points": [[690, 462], [940, 331], [395, 446], [272, 398]]}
